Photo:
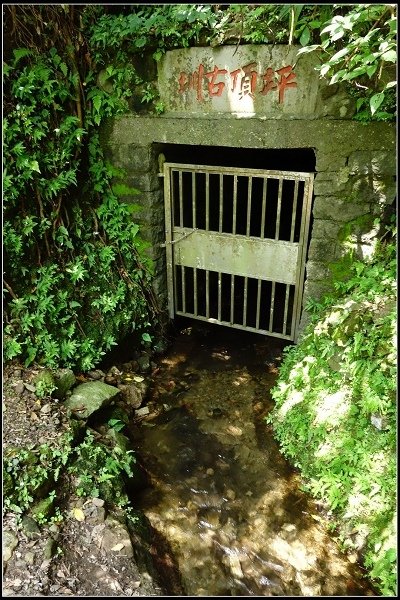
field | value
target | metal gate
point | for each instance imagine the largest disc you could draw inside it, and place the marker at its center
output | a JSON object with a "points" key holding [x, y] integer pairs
{"points": [[235, 244]]}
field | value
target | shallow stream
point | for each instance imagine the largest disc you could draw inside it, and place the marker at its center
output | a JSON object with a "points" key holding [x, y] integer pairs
{"points": [[221, 494]]}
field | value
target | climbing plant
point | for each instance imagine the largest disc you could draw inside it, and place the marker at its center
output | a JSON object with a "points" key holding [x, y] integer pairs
{"points": [[77, 276]]}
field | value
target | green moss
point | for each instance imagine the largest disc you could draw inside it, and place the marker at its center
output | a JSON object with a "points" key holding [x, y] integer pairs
{"points": [[341, 269], [356, 227]]}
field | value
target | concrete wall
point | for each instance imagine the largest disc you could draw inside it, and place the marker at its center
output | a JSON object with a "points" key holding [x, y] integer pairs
{"points": [[355, 162]]}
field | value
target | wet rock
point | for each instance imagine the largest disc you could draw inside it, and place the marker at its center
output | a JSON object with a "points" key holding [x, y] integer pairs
{"points": [[10, 542], [144, 363], [96, 374], [89, 397], [141, 412], [119, 439], [64, 380], [131, 395]]}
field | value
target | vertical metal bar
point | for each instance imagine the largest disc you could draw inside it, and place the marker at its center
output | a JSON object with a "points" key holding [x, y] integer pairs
{"points": [[221, 201], [271, 310], [168, 239], [264, 201], [258, 304], [176, 285], [285, 314], [180, 200], [207, 294], [278, 211], [249, 190], [294, 211], [234, 204], [194, 199], [245, 301], [207, 201], [232, 297], [306, 209], [183, 290], [219, 295], [195, 291]]}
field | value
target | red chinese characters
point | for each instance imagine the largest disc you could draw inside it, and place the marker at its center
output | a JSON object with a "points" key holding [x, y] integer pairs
{"points": [[243, 81]]}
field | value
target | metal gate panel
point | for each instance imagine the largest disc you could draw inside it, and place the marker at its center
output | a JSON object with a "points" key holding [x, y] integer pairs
{"points": [[235, 245], [236, 254]]}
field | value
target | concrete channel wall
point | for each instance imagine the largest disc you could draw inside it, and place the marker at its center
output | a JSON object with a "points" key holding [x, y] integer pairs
{"points": [[242, 98]]}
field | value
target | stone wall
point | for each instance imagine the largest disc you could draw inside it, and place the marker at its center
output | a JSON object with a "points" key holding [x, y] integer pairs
{"points": [[354, 179]]}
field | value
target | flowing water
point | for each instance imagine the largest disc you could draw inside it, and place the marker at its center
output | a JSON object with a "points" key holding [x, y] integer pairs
{"points": [[221, 494]]}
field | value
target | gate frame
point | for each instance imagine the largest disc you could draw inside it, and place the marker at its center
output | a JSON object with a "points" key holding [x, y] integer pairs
{"points": [[307, 178]]}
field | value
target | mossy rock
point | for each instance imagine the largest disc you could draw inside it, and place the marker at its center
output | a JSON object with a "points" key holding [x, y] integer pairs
{"points": [[64, 380], [44, 383], [119, 439], [43, 509]]}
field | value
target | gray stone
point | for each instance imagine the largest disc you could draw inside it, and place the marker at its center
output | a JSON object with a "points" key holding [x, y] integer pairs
{"points": [[376, 163], [10, 542], [330, 161], [141, 412], [317, 271], [49, 549], [337, 209], [30, 527], [89, 397], [131, 395], [325, 229], [144, 363], [322, 251], [19, 387], [96, 374], [64, 379], [116, 538], [29, 558]]}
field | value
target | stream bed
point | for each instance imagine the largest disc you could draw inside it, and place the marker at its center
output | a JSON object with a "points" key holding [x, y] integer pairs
{"points": [[221, 494]]}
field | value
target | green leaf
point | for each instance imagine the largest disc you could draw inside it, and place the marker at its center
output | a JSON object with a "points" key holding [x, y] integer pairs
{"points": [[371, 70], [308, 49], [97, 102], [389, 56], [336, 57], [34, 165], [375, 101], [21, 53], [146, 337], [305, 36], [64, 69]]}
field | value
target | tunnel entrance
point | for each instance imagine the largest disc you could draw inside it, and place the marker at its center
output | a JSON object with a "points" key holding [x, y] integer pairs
{"points": [[236, 237]]}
